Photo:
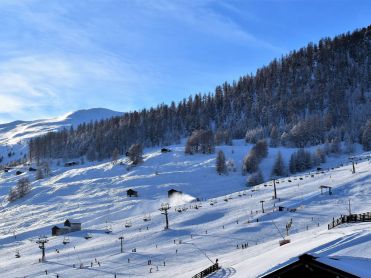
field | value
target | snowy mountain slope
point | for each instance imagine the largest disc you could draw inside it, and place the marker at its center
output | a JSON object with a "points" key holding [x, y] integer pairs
{"points": [[14, 135], [96, 194]]}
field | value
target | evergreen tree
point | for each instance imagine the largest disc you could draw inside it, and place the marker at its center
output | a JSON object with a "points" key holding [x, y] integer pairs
{"points": [[279, 168], [256, 178], [221, 167], [366, 136], [250, 163]]}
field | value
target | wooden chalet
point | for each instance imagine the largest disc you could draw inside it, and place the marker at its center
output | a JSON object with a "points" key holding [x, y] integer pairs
{"points": [[308, 266], [60, 230], [172, 192], [131, 193], [74, 225]]}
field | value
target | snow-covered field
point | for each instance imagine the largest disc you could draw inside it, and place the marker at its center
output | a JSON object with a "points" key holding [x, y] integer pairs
{"points": [[226, 217]]}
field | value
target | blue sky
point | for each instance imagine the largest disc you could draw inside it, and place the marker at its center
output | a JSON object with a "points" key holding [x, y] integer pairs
{"points": [[61, 56]]}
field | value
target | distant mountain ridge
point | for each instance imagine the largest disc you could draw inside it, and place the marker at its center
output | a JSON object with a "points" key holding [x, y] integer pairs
{"points": [[14, 135], [13, 132]]}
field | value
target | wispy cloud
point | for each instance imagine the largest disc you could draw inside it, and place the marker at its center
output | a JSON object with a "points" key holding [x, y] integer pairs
{"points": [[58, 56]]}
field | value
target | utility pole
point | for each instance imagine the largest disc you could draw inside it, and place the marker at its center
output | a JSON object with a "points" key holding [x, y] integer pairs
{"points": [[353, 166], [274, 187], [350, 212], [164, 208], [42, 241], [121, 238], [262, 206]]}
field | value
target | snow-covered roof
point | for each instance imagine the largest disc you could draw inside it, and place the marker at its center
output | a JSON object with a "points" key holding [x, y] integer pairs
{"points": [[73, 221]]}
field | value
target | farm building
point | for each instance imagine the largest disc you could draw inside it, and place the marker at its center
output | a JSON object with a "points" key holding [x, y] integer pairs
{"points": [[74, 225], [172, 192], [60, 230], [131, 193]]}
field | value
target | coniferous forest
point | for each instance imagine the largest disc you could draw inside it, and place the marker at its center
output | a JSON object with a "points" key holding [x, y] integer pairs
{"points": [[317, 94]]}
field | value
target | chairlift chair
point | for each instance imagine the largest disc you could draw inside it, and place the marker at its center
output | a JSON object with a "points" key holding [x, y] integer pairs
{"points": [[88, 236], [146, 218], [108, 230], [66, 240], [17, 255], [128, 224]]}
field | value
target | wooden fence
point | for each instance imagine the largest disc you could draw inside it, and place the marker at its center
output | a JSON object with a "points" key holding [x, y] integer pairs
{"points": [[352, 218], [207, 271]]}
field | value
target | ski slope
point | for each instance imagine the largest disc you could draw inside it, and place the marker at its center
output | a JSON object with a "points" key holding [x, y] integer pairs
{"points": [[203, 231]]}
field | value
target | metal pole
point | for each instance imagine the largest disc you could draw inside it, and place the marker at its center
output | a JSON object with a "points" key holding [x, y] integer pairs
{"points": [[262, 206], [274, 186], [350, 212], [354, 168], [121, 238], [167, 220]]}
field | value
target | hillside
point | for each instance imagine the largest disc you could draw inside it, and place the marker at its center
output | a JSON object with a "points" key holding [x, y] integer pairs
{"points": [[14, 136], [319, 93], [95, 193]]}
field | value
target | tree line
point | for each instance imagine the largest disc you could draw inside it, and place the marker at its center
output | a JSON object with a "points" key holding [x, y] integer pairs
{"points": [[317, 94]]}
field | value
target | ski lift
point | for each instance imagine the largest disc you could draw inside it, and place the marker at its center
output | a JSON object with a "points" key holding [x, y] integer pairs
{"points": [[88, 236], [230, 197], [66, 240], [184, 208], [128, 224], [178, 209], [244, 193], [225, 199], [212, 202], [239, 194], [17, 255], [108, 229], [147, 218]]}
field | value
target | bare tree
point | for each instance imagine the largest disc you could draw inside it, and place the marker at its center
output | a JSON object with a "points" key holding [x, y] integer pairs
{"points": [[135, 153], [39, 174], [115, 156]]}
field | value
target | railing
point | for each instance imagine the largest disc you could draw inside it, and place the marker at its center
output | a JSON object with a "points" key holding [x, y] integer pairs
{"points": [[207, 271], [352, 218]]}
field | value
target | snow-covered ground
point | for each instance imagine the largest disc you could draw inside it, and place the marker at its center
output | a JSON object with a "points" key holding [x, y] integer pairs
{"points": [[14, 135], [226, 217]]}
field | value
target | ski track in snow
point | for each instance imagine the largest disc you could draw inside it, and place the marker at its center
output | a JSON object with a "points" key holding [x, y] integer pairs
{"points": [[96, 194]]}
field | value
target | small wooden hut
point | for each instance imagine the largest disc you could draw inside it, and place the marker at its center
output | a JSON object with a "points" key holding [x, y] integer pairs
{"points": [[131, 193]]}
